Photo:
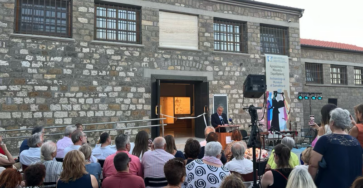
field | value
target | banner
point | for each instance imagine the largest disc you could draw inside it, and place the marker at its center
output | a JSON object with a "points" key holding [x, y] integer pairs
{"points": [[278, 92]]}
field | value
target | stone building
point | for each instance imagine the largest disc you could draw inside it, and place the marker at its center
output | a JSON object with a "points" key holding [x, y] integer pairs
{"points": [[64, 61]]}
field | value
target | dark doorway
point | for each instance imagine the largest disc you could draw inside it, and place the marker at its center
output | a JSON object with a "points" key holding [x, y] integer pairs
{"points": [[333, 101], [179, 96]]}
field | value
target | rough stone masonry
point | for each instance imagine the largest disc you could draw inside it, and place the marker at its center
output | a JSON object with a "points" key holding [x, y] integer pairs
{"points": [[60, 81]]}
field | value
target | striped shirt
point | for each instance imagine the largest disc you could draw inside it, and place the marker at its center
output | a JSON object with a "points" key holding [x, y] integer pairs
{"points": [[32, 155], [154, 161], [53, 170]]}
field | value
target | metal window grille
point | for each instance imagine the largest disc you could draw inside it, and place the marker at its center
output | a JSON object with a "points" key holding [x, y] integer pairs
{"points": [[338, 74], [118, 23], [314, 73], [230, 36], [44, 17], [358, 75], [274, 40]]}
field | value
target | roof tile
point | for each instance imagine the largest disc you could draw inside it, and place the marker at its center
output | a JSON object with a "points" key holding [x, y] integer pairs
{"points": [[326, 44]]}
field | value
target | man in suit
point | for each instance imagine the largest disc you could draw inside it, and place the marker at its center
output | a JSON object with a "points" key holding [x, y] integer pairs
{"points": [[218, 119]]}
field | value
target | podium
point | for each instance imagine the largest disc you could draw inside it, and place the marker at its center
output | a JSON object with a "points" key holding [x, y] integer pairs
{"points": [[222, 137]]}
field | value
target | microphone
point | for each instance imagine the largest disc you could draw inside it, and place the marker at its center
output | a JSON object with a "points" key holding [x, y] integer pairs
{"points": [[230, 120], [222, 122]]}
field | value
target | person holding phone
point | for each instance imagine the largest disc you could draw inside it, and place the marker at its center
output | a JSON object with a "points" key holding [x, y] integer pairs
{"points": [[357, 130]]}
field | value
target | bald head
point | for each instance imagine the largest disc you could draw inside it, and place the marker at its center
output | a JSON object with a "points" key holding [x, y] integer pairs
{"points": [[159, 143]]}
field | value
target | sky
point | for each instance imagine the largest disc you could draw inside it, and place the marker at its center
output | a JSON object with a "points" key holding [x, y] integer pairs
{"points": [[329, 20]]}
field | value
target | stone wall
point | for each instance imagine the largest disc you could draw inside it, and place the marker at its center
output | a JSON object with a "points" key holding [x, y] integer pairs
{"points": [[348, 95], [59, 81]]}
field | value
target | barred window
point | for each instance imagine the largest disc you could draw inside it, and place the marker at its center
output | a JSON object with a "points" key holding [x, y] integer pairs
{"points": [[117, 23], [338, 74], [314, 73], [230, 36], [358, 75], [44, 17], [274, 40]]}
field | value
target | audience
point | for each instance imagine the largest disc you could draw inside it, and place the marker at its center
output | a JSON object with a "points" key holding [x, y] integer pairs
{"points": [[66, 141], [174, 171], [37, 129], [212, 137], [239, 164], [78, 138], [123, 178], [357, 130], [341, 152], [3, 161], [207, 130], [294, 159], [34, 175], [236, 137], [92, 168], [305, 156], [141, 144], [300, 178], [52, 167], [208, 171], [191, 150], [358, 183], [154, 160], [79, 126], [10, 178], [105, 150], [32, 155], [232, 181], [171, 148], [277, 178], [74, 173], [324, 129], [123, 146]]}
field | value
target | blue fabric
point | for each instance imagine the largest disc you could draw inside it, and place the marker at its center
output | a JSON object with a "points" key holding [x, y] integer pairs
{"points": [[84, 182], [343, 157], [24, 146], [179, 154], [94, 169]]}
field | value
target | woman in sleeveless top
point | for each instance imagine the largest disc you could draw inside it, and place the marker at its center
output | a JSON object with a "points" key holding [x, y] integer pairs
{"points": [[324, 129], [74, 173], [357, 130], [278, 178]]}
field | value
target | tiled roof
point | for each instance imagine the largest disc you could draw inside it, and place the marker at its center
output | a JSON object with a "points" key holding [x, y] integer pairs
{"points": [[333, 45]]}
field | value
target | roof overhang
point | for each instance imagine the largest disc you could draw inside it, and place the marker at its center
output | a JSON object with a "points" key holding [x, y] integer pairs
{"points": [[263, 6], [328, 48]]}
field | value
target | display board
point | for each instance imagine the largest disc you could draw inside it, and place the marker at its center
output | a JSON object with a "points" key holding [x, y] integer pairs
{"points": [[220, 100], [182, 105]]}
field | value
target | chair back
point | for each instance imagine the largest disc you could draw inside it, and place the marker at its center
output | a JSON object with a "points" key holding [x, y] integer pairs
{"points": [[101, 162], [50, 184], [155, 182], [245, 177], [59, 159]]}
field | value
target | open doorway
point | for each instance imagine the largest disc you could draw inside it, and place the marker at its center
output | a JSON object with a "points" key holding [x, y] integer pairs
{"points": [[180, 96]]}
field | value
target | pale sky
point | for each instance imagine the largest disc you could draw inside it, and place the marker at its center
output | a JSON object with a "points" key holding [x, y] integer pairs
{"points": [[329, 20]]}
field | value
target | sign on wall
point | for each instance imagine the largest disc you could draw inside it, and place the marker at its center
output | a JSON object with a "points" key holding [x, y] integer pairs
{"points": [[278, 92], [178, 30]]}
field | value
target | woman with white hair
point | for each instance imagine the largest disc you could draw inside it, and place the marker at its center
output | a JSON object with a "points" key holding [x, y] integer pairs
{"points": [[53, 169], [300, 178], [341, 152], [294, 159], [206, 172]]}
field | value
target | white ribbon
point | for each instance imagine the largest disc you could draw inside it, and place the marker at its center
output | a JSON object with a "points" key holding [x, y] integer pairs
{"points": [[205, 122]]}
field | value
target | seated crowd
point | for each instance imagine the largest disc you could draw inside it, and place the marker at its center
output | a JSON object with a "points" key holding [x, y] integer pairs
{"points": [[334, 161]]}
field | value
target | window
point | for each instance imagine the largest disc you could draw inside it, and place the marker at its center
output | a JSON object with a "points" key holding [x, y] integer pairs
{"points": [[338, 74], [274, 40], [230, 36], [358, 75], [44, 17], [178, 31], [314, 73], [117, 23]]}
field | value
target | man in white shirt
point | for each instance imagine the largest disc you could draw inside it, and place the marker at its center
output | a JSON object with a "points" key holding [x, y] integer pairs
{"points": [[32, 155], [78, 139], [239, 164], [154, 161], [207, 130], [105, 150], [65, 141]]}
